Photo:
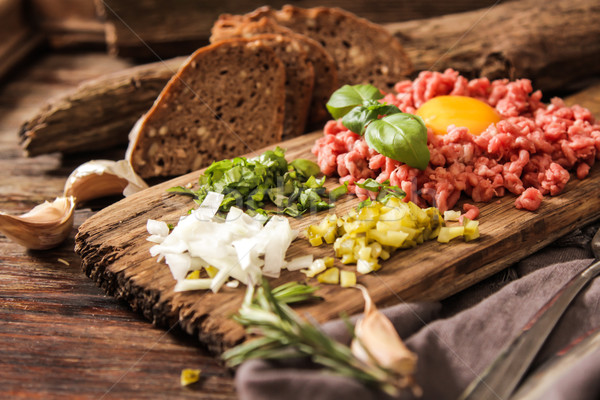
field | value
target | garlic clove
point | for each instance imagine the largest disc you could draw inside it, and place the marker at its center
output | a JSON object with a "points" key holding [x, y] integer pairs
{"points": [[377, 340], [100, 178], [46, 226]]}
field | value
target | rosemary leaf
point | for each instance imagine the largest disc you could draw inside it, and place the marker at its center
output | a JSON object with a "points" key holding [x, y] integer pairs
{"points": [[285, 334]]}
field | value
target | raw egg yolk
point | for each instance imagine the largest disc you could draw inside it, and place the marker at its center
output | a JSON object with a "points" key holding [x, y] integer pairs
{"points": [[441, 111]]}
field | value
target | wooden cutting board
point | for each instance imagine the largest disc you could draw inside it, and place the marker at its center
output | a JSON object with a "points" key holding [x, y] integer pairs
{"points": [[115, 253]]}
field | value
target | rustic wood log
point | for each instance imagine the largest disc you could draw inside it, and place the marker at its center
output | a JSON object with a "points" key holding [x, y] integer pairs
{"points": [[18, 38], [147, 28], [553, 43], [98, 114], [69, 23], [520, 44]]}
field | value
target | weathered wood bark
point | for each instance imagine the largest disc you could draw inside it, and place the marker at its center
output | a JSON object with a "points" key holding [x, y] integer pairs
{"points": [[17, 36], [69, 23], [115, 253], [555, 43], [146, 28], [98, 114]]}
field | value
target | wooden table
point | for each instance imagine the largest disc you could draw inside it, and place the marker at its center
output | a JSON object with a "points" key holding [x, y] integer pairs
{"points": [[60, 336]]}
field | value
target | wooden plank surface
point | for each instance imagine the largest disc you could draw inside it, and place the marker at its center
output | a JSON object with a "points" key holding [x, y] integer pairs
{"points": [[60, 335], [115, 254]]}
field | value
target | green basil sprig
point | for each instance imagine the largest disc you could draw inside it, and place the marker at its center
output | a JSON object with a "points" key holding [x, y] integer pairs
{"points": [[347, 97], [384, 191], [399, 136], [359, 117]]}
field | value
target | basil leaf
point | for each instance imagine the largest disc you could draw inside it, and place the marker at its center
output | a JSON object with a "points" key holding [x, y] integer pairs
{"points": [[370, 184], [313, 183], [363, 204], [182, 190], [306, 168], [402, 137], [347, 97], [359, 117], [338, 192]]}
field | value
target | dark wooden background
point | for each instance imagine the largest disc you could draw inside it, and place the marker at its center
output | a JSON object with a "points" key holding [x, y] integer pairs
{"points": [[60, 336]]}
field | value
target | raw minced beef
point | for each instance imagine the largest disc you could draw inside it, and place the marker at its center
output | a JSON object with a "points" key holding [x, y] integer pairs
{"points": [[528, 153]]}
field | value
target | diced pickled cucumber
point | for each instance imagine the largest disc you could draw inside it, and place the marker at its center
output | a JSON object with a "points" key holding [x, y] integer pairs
{"points": [[315, 268], [211, 271], [471, 229], [347, 278], [331, 276], [376, 230], [447, 233]]}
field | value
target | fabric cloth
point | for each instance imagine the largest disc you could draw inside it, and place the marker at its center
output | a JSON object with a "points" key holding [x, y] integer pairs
{"points": [[457, 338]]}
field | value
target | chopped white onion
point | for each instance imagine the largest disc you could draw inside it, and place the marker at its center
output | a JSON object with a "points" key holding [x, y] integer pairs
{"points": [[159, 228], [179, 265], [233, 284], [238, 246], [192, 284], [299, 262], [209, 207]]}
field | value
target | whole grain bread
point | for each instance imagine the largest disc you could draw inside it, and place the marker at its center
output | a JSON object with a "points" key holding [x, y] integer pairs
{"points": [[226, 100], [364, 52], [325, 81], [299, 79]]}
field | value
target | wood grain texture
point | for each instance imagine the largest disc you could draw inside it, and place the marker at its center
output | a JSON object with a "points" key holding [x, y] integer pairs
{"points": [[554, 43], [60, 335], [116, 255], [98, 114], [147, 28]]}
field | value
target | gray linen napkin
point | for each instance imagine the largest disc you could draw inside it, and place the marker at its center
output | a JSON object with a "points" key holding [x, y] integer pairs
{"points": [[457, 338]]}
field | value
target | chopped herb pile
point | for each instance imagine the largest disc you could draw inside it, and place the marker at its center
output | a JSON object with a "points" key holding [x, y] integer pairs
{"points": [[269, 178]]}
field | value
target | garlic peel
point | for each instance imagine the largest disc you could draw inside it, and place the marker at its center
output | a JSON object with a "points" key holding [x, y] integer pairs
{"points": [[100, 178], [376, 338], [46, 226]]}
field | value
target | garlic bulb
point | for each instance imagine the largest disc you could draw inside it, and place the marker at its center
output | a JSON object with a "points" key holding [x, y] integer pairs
{"points": [[100, 178], [375, 332], [47, 225]]}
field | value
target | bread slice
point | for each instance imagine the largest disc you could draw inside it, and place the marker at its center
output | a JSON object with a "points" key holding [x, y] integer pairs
{"points": [[364, 52], [325, 81], [299, 79], [226, 100]]}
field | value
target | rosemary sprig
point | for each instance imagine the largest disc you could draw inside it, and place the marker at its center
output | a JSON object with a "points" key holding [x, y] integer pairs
{"points": [[282, 334]]}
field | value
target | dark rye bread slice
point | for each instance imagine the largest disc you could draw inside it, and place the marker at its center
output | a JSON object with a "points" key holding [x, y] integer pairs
{"points": [[325, 82], [226, 100], [364, 52], [299, 79]]}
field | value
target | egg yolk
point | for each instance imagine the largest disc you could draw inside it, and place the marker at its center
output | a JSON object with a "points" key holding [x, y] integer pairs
{"points": [[441, 111]]}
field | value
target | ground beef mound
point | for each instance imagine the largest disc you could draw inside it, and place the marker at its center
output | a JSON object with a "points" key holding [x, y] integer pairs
{"points": [[529, 153]]}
